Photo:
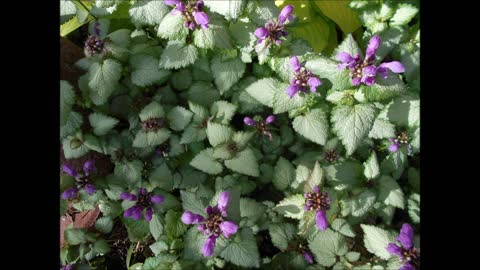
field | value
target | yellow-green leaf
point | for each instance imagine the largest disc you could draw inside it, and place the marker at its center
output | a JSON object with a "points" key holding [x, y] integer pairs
{"points": [[340, 13]]}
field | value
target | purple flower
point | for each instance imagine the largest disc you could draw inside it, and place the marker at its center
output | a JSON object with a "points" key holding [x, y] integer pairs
{"points": [[144, 200], [407, 253], [68, 267], [261, 126], [192, 12], [82, 180], [94, 44], [319, 202], [365, 71], [214, 224], [273, 31], [303, 80], [286, 13], [308, 257], [401, 139]]}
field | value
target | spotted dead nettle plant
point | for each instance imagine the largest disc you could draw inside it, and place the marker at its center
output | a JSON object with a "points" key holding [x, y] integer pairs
{"points": [[240, 134]]}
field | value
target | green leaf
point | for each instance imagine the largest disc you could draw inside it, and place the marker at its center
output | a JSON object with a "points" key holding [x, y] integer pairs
{"points": [[372, 169], [218, 133], [323, 67], [414, 207], [313, 126], [182, 79], [67, 10], [101, 246], [231, 9], [144, 12], [244, 162], [177, 54], [344, 175], [284, 174], [292, 206], [384, 89], [137, 230], [403, 111], [145, 70], [283, 103], [352, 256], [264, 90], [223, 111], [348, 45], [352, 124], [71, 150], [151, 138], [131, 170], [403, 14], [342, 226], [242, 250], [390, 192], [190, 202], [227, 73], [172, 28], [326, 246], [156, 227], [281, 234], [75, 236], [203, 93], [174, 227], [251, 210], [203, 38], [315, 178], [103, 77], [376, 240], [178, 118], [158, 247], [101, 123], [162, 177], [205, 162], [382, 129], [104, 224], [359, 205], [67, 99]]}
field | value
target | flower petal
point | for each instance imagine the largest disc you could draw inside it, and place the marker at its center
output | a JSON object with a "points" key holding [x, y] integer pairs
{"points": [[191, 218], [372, 47], [286, 13], [261, 32], [129, 212], [137, 213], [69, 193], [313, 82], [270, 119], [148, 214], [90, 189], [321, 220], [406, 236], [209, 246], [394, 66], [344, 57], [201, 18], [223, 200], [295, 64], [356, 81], [172, 2], [228, 228], [125, 195], [308, 257], [179, 8], [89, 167], [292, 90], [316, 189], [393, 147], [142, 191], [69, 170], [157, 199], [249, 121], [395, 250]]}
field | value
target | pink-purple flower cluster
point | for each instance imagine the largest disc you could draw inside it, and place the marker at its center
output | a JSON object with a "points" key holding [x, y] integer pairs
{"points": [[144, 200], [365, 71], [406, 252], [261, 126], [273, 31], [82, 180], [397, 142], [214, 225], [192, 11], [319, 202], [94, 43], [303, 80]]}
